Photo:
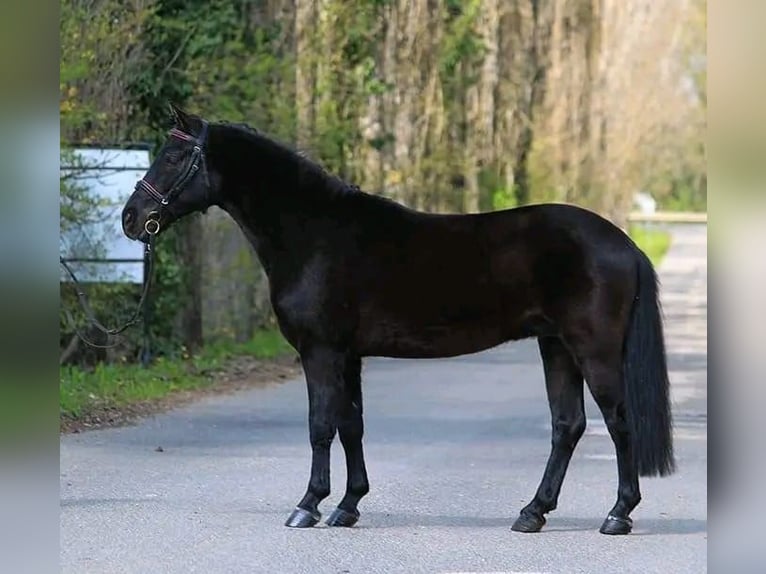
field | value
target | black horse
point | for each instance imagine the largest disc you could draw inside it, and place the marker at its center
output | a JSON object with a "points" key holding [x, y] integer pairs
{"points": [[354, 275]]}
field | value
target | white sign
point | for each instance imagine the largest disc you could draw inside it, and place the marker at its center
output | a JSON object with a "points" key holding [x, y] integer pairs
{"points": [[109, 176]]}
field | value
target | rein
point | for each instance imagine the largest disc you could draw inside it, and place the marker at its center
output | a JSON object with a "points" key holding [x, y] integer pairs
{"points": [[149, 262], [152, 228]]}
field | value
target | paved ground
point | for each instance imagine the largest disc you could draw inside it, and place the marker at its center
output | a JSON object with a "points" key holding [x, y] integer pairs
{"points": [[454, 448]]}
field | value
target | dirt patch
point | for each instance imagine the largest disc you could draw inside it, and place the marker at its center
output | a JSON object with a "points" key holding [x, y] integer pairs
{"points": [[239, 373]]}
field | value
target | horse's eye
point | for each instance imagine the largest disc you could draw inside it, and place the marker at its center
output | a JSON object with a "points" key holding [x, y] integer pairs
{"points": [[172, 158]]}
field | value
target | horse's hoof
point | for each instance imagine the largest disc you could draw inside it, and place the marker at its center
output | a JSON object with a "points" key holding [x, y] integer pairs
{"points": [[528, 523], [301, 518], [340, 517], [616, 525]]}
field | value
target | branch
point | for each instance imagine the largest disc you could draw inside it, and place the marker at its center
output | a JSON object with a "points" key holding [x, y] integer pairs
{"points": [[172, 61]]}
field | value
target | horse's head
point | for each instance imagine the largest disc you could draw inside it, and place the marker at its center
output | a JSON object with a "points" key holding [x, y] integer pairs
{"points": [[176, 184]]}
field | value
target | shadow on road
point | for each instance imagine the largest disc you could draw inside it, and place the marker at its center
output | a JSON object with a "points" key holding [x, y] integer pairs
{"points": [[642, 527]]}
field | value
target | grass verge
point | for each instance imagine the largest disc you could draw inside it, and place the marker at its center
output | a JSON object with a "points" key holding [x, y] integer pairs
{"points": [[110, 393], [654, 242]]}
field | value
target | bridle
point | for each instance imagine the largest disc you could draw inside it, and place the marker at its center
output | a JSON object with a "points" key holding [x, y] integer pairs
{"points": [[195, 163], [152, 227]]}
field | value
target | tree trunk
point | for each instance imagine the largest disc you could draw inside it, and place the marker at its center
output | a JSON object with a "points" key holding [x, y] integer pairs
{"points": [[305, 70], [483, 125], [536, 70], [191, 262]]}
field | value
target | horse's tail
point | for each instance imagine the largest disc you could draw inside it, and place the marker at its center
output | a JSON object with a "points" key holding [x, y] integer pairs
{"points": [[646, 379]]}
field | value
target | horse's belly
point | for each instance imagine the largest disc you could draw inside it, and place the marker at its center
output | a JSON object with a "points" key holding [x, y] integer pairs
{"points": [[432, 341]]}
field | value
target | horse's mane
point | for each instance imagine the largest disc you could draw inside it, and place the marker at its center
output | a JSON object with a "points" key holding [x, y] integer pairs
{"points": [[305, 162]]}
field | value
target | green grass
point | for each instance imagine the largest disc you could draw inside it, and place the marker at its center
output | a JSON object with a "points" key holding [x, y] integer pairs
{"points": [[115, 385], [265, 344], [654, 242]]}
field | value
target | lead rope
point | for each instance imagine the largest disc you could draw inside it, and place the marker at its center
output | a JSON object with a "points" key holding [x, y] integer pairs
{"points": [[90, 315]]}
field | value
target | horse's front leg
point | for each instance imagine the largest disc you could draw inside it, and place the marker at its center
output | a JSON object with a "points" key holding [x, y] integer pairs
{"points": [[351, 430], [324, 370]]}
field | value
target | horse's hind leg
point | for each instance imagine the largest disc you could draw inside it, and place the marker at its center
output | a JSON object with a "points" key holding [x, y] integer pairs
{"points": [[350, 430], [564, 384], [604, 376]]}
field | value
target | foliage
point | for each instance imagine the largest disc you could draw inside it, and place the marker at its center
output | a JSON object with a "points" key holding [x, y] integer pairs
{"points": [[503, 198], [347, 75], [462, 43], [100, 49]]}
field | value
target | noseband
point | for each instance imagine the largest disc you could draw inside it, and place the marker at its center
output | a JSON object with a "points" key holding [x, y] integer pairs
{"points": [[196, 161]]}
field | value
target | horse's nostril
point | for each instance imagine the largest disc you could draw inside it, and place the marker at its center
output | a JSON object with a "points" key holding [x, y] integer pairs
{"points": [[128, 222]]}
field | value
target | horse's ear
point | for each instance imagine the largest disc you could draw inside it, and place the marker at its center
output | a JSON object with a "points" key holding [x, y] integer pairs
{"points": [[182, 120]]}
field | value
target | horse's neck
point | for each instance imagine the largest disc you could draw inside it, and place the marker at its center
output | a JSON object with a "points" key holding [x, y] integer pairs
{"points": [[261, 241], [267, 198]]}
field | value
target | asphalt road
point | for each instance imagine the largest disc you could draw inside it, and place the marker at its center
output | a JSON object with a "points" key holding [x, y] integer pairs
{"points": [[454, 447]]}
